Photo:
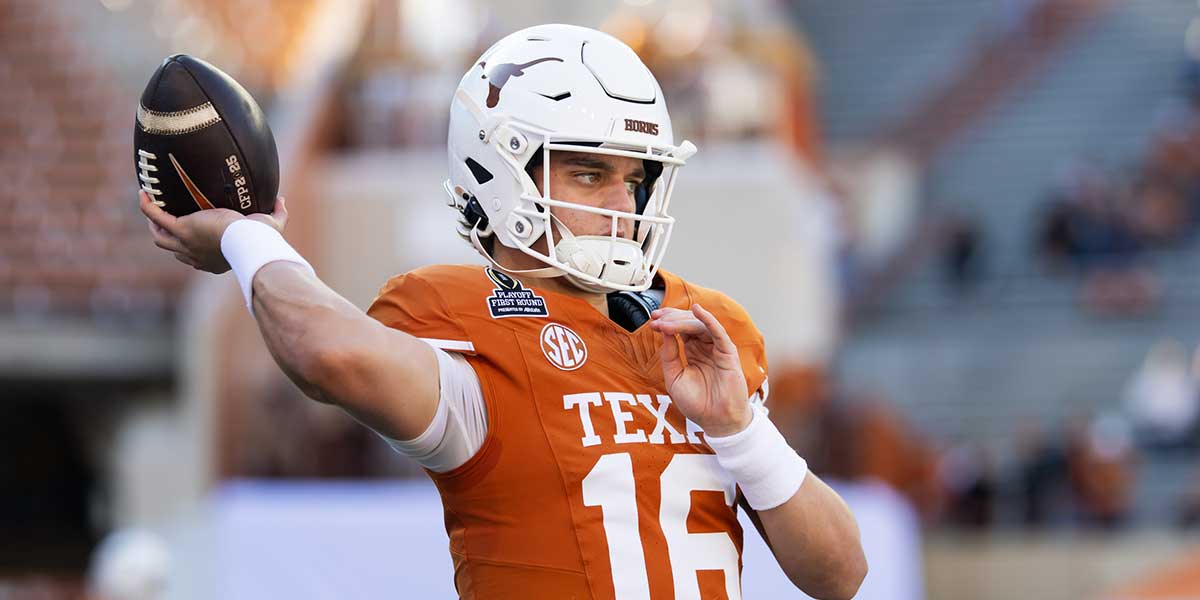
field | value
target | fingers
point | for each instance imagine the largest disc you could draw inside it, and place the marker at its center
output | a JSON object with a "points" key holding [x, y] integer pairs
{"points": [[183, 258], [277, 219], [280, 213], [684, 326], [672, 362], [156, 218], [156, 214], [163, 239], [672, 315], [715, 329], [678, 322]]}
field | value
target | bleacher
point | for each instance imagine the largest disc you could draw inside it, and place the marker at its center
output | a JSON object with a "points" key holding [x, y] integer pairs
{"points": [[1019, 347], [1100, 97], [866, 84]]}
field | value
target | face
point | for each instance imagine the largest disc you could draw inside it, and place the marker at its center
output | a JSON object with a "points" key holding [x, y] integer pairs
{"points": [[592, 180]]}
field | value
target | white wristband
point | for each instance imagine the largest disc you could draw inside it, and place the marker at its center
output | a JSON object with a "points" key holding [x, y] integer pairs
{"points": [[766, 468], [250, 245]]}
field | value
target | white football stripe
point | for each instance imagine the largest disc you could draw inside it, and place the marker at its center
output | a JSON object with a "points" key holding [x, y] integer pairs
{"points": [[177, 122]]}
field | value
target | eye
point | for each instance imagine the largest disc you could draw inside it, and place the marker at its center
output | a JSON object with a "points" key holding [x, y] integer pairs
{"points": [[588, 177], [632, 186]]}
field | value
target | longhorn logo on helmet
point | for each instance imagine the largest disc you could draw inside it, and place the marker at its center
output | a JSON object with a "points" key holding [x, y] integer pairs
{"points": [[499, 74]]}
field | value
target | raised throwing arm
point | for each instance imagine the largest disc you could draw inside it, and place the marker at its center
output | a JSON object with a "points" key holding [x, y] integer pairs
{"points": [[333, 351]]}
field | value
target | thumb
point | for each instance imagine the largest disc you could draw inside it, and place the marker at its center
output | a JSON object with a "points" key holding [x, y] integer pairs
{"points": [[279, 215]]}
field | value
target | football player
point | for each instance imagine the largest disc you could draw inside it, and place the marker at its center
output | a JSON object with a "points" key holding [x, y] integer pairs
{"points": [[591, 422]]}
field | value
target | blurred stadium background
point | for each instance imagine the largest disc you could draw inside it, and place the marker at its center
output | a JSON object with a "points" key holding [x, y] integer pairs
{"points": [[968, 229]]}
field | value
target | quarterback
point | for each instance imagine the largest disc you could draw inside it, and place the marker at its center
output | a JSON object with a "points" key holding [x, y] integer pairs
{"points": [[592, 423]]}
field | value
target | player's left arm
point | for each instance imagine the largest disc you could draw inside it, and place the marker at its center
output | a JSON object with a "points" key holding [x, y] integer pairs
{"points": [[815, 539], [809, 528]]}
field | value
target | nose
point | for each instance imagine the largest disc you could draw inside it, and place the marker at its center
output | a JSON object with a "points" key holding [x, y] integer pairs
{"points": [[618, 197]]}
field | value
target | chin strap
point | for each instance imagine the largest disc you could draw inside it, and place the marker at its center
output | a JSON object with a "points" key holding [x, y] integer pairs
{"points": [[542, 273]]}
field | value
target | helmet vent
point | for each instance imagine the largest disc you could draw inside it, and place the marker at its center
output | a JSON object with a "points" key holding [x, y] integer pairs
{"points": [[481, 174]]}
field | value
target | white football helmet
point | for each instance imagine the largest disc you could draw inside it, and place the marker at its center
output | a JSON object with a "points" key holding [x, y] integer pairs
{"points": [[562, 88]]}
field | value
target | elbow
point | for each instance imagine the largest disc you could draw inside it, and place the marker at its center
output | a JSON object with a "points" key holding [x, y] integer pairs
{"points": [[852, 579], [849, 569], [842, 579]]}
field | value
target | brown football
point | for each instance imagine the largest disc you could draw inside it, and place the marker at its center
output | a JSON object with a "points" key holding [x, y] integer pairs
{"points": [[201, 141]]}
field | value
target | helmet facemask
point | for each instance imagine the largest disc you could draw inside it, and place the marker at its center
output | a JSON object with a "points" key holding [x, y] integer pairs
{"points": [[599, 263]]}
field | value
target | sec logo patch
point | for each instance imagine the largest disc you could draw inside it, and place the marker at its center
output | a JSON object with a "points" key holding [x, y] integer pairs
{"points": [[563, 347]]}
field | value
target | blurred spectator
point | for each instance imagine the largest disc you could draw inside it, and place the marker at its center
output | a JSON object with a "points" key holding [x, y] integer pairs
{"points": [[1091, 230], [1056, 244], [966, 474], [1041, 471], [1191, 79], [1100, 465], [1120, 292], [1161, 397], [962, 255], [1159, 214], [1189, 506], [1098, 225], [1170, 176], [1083, 226], [858, 439]]}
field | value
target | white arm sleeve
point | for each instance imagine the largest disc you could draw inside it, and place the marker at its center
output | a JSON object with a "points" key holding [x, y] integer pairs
{"points": [[460, 423]]}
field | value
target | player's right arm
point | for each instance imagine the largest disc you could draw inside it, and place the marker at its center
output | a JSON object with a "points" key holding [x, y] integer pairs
{"points": [[335, 353]]}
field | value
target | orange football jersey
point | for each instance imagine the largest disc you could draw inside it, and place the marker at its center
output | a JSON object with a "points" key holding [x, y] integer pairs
{"points": [[590, 484]]}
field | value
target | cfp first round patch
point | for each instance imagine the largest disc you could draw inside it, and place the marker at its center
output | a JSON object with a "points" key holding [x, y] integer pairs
{"points": [[511, 299], [563, 347]]}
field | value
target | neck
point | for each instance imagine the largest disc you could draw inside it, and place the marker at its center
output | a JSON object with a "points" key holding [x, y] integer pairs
{"points": [[516, 260]]}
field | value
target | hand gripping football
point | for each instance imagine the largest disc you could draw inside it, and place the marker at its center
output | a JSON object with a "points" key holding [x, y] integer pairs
{"points": [[201, 141]]}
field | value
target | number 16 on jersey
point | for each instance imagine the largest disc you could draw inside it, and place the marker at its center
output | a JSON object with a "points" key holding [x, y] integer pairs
{"points": [[611, 486]]}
